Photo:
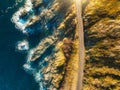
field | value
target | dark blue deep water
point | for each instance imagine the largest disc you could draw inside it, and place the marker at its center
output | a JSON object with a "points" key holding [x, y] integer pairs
{"points": [[12, 74]]}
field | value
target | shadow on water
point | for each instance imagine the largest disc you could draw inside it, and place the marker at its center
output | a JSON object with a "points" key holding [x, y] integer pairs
{"points": [[12, 75]]}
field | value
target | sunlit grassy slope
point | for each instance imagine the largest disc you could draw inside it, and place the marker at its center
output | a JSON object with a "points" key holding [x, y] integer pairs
{"points": [[102, 42]]}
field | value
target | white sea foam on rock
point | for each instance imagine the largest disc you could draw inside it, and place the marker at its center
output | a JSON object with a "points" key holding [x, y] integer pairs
{"points": [[16, 17], [22, 45]]}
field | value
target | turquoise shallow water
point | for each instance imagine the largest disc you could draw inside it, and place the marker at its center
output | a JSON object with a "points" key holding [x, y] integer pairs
{"points": [[12, 74]]}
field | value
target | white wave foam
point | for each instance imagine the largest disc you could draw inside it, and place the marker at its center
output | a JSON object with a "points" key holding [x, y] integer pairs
{"points": [[23, 45], [38, 76], [28, 68], [16, 17]]}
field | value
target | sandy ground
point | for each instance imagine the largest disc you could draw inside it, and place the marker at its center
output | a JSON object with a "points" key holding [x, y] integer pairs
{"points": [[72, 69]]}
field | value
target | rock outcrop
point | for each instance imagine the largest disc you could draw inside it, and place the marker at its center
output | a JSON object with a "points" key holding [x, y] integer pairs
{"points": [[55, 21]]}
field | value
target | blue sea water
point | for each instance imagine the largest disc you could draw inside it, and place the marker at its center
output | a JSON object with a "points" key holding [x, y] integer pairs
{"points": [[12, 74]]}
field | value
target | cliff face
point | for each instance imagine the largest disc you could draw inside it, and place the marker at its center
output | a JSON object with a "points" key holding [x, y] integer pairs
{"points": [[102, 43]]}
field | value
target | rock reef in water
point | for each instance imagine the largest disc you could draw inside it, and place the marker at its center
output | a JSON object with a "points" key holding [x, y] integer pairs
{"points": [[55, 20], [22, 45]]}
